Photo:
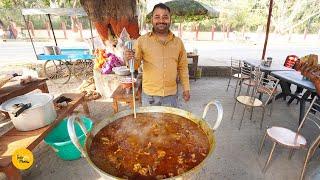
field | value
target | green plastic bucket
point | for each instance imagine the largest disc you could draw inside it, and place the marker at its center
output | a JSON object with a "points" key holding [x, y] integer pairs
{"points": [[60, 141]]}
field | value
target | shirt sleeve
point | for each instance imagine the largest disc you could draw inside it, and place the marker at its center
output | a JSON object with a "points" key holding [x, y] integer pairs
{"points": [[183, 71], [138, 53]]}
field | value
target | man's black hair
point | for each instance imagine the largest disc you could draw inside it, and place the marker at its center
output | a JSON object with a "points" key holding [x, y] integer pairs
{"points": [[161, 6]]}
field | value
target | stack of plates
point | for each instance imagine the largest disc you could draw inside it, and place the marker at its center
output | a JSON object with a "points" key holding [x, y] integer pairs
{"points": [[122, 70]]}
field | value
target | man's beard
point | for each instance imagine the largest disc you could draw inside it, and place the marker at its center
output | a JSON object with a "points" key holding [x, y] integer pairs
{"points": [[160, 30]]}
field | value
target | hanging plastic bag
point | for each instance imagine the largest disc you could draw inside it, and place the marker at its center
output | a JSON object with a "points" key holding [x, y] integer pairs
{"points": [[124, 37], [119, 50]]}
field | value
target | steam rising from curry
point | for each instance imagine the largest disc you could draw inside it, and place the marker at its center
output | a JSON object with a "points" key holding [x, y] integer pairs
{"points": [[152, 146]]}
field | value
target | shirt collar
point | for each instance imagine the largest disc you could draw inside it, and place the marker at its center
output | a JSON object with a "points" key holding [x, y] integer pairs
{"points": [[171, 35]]}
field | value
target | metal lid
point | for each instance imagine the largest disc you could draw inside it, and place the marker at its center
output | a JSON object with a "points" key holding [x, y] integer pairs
{"points": [[36, 100]]}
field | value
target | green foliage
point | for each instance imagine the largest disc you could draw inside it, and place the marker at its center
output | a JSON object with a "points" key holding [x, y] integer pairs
{"points": [[241, 15], [287, 15], [293, 16], [7, 12], [186, 8], [187, 11], [6, 4], [11, 14], [252, 14]]}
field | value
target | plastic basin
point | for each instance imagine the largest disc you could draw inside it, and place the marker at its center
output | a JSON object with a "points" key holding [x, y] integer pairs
{"points": [[60, 141]]}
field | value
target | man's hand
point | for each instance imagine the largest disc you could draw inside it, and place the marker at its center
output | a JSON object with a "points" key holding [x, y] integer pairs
{"points": [[186, 95], [128, 54]]}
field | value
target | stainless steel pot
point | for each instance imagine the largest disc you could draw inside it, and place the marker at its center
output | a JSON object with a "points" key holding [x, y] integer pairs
{"points": [[209, 131], [40, 114]]}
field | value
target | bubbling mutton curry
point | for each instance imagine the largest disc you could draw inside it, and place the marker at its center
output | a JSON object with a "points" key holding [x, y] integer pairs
{"points": [[152, 146]]}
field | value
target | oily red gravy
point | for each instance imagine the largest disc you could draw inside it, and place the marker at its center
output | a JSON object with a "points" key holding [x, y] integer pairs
{"points": [[152, 146]]}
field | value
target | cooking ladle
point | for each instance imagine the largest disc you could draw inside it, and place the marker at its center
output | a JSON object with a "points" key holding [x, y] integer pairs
{"points": [[131, 67]]}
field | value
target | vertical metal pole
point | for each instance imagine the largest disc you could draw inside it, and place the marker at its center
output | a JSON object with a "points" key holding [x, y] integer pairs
{"points": [[34, 49], [131, 62], [267, 31], [54, 36], [91, 34]]}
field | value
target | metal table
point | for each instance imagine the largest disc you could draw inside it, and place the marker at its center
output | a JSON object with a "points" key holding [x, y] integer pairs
{"points": [[274, 66], [296, 78]]}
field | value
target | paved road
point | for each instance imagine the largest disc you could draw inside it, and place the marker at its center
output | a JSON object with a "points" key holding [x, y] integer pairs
{"points": [[212, 53], [22, 52], [219, 53]]}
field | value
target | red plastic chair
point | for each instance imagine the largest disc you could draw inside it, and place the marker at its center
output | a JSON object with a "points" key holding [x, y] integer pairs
{"points": [[291, 61]]}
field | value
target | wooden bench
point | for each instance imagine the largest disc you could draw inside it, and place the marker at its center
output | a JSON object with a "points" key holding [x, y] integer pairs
{"points": [[15, 139], [14, 89], [120, 95]]}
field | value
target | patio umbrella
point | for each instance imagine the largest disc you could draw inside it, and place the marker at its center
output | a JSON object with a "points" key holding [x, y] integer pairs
{"points": [[190, 10]]}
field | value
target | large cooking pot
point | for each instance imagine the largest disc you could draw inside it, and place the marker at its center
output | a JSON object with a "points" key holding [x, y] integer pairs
{"points": [[207, 129], [40, 113]]}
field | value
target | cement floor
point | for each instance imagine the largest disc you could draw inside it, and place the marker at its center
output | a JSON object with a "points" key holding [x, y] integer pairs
{"points": [[236, 154]]}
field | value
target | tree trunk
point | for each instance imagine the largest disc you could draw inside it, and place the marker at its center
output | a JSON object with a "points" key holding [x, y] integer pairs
{"points": [[180, 29], [74, 20], [228, 31], [47, 25], [290, 35], [119, 14], [197, 32], [212, 32], [305, 33], [224, 30], [64, 28], [31, 28]]}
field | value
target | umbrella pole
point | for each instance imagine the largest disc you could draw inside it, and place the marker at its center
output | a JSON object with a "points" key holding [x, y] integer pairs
{"points": [[54, 36], [34, 49], [91, 34], [267, 31], [180, 30]]}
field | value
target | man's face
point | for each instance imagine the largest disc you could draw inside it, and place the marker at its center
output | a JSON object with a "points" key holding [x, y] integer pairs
{"points": [[161, 20]]}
